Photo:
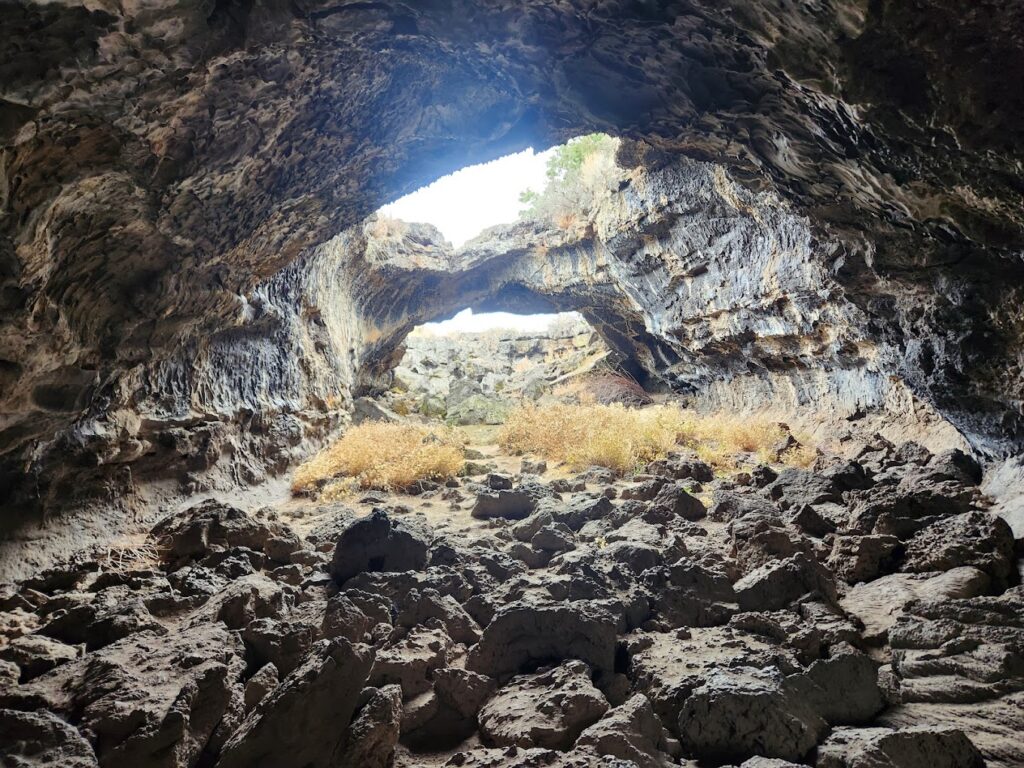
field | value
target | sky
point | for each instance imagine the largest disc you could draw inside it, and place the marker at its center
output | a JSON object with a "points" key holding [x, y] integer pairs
{"points": [[467, 322], [466, 202]]}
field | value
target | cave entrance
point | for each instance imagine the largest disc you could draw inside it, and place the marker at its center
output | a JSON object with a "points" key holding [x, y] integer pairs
{"points": [[562, 184], [474, 368], [502, 237]]}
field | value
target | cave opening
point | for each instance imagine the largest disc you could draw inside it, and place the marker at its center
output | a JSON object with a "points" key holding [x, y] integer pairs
{"points": [[251, 552], [474, 368]]}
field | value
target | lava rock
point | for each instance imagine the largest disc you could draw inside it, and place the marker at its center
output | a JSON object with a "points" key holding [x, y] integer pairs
{"points": [[509, 504], [674, 499], [978, 539], [41, 738], [782, 582], [921, 747], [545, 709], [36, 654], [378, 544], [528, 632], [304, 721], [863, 558], [631, 732], [743, 712]]}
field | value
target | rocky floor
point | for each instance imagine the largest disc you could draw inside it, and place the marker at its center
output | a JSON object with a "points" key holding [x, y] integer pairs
{"points": [[863, 615]]}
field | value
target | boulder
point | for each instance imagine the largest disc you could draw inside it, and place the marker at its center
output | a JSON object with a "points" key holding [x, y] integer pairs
{"points": [[532, 632], [548, 709], [148, 699], [631, 732], [37, 654], [688, 594], [410, 661], [794, 487], [378, 544], [782, 582], [673, 499], [877, 604], [373, 734], [922, 747], [863, 558], [41, 739], [761, 539], [305, 720], [977, 539], [553, 538], [509, 504], [209, 525], [580, 509], [728, 505], [741, 712]]}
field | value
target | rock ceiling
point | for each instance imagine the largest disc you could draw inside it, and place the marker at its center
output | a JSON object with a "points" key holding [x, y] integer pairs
{"points": [[162, 162]]}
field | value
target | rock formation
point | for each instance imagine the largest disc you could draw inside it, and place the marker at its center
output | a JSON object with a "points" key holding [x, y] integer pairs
{"points": [[380, 637], [173, 176], [820, 209]]}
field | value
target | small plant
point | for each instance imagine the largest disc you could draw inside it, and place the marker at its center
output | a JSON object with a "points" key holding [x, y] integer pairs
{"points": [[580, 174], [382, 456]]}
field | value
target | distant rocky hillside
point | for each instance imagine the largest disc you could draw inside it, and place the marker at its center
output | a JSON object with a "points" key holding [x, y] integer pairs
{"points": [[473, 378]]}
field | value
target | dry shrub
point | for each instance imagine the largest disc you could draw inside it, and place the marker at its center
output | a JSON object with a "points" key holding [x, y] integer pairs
{"points": [[584, 435], [382, 456], [604, 387], [624, 439], [802, 456]]}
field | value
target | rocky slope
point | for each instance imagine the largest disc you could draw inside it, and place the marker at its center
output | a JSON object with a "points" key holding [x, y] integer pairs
{"points": [[163, 163], [864, 615], [475, 378]]}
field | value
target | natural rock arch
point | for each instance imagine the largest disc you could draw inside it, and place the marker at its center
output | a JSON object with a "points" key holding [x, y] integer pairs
{"points": [[169, 174]]}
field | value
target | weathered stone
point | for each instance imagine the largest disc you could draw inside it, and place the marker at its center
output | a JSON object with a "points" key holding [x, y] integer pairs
{"points": [[372, 736], [863, 558], [976, 539], [41, 739], [545, 709], [304, 721], [631, 732], [377, 543], [902, 748], [511, 504], [781, 582], [37, 654], [533, 632], [180, 685]]}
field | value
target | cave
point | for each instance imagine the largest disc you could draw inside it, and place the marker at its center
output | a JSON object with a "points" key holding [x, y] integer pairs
{"points": [[777, 519]]}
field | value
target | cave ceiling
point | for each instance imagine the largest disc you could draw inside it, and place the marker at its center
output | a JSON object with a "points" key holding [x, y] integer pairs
{"points": [[158, 161]]}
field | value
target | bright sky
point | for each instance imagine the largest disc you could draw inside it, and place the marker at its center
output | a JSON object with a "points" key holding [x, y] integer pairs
{"points": [[467, 322], [466, 202]]}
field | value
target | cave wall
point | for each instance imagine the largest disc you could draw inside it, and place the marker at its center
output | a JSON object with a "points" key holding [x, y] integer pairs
{"points": [[160, 166]]}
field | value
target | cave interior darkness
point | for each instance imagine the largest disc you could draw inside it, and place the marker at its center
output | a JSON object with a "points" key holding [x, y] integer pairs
{"points": [[798, 268]]}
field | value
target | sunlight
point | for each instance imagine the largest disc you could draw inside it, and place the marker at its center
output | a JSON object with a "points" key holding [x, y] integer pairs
{"points": [[467, 322], [468, 201]]}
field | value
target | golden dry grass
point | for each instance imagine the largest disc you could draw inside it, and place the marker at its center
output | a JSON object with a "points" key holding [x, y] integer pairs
{"points": [[381, 456], [624, 439], [584, 435]]}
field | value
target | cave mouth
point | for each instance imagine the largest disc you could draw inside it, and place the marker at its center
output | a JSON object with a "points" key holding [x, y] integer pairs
{"points": [[474, 368], [464, 203], [553, 183]]}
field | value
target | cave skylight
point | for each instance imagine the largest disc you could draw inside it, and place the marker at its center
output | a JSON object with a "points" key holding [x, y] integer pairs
{"points": [[464, 203], [467, 321]]}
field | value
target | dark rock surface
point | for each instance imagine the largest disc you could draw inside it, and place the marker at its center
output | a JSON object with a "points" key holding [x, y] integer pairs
{"points": [[829, 215], [653, 641]]}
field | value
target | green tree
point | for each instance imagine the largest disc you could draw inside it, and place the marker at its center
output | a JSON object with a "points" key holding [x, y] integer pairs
{"points": [[579, 174]]}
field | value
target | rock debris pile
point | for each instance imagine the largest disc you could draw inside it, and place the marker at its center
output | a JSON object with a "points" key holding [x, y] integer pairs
{"points": [[866, 614]]}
